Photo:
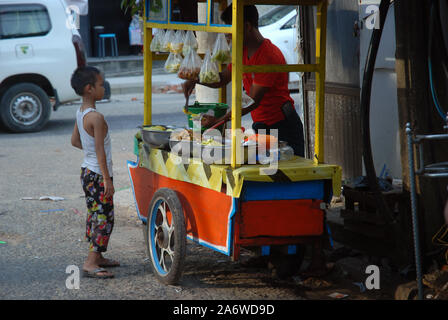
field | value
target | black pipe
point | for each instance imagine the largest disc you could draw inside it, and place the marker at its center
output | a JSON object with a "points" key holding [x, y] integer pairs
{"points": [[366, 91], [443, 10]]}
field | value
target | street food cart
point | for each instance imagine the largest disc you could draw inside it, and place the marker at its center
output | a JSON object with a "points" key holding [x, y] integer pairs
{"points": [[226, 207]]}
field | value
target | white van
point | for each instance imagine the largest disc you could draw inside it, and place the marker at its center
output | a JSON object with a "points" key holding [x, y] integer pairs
{"points": [[38, 54]]}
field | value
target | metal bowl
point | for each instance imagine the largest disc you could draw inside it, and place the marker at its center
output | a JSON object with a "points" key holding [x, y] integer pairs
{"points": [[155, 138]]}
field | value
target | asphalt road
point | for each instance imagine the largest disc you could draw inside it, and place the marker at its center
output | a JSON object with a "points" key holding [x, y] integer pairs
{"points": [[39, 239], [44, 237]]}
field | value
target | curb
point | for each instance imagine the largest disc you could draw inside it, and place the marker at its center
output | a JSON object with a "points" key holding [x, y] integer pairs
{"points": [[163, 88], [129, 85]]}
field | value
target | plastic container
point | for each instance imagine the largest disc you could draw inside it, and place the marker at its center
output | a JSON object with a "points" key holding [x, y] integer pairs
{"points": [[286, 153], [219, 110]]}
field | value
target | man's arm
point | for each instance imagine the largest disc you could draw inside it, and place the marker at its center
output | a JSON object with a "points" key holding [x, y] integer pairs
{"points": [[224, 76], [257, 93], [76, 139], [99, 133]]}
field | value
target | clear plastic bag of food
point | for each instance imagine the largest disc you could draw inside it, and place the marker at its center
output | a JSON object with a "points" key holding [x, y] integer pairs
{"points": [[190, 67], [221, 50], [209, 70], [190, 43], [246, 100], [173, 63], [156, 43], [167, 40], [178, 42]]}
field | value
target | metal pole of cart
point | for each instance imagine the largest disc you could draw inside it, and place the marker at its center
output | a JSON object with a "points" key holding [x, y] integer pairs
{"points": [[321, 35], [414, 212]]}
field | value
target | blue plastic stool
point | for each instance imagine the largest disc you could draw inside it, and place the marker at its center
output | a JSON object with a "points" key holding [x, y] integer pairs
{"points": [[113, 44]]}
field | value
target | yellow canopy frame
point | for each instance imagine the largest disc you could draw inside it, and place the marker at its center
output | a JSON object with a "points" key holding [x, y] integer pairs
{"points": [[238, 68]]}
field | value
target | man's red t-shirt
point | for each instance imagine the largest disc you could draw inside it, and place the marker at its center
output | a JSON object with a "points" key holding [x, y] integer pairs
{"points": [[269, 111]]}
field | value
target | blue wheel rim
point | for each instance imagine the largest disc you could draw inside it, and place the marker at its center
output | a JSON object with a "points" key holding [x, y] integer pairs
{"points": [[155, 249]]}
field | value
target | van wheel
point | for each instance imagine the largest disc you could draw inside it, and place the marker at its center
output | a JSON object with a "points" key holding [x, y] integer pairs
{"points": [[25, 107]]}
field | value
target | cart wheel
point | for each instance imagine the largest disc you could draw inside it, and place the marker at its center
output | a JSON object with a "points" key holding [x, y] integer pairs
{"points": [[166, 236]]}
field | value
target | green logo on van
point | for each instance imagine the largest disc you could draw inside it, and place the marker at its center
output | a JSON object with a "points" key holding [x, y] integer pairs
{"points": [[24, 49]]}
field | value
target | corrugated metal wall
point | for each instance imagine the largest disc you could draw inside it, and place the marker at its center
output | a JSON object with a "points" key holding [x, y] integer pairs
{"points": [[343, 145]]}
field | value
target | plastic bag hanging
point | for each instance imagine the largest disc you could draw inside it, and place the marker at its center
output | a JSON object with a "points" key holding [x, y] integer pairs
{"points": [[156, 43], [209, 70], [221, 50], [190, 43], [167, 40], [190, 67], [178, 42], [173, 63]]}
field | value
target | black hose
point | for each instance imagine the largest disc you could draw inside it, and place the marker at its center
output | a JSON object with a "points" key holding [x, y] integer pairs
{"points": [[366, 91], [443, 10], [431, 81]]}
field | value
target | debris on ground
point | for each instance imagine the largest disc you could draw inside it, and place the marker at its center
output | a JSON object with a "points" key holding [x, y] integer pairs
{"points": [[313, 283], [406, 291], [437, 281], [362, 287], [337, 295], [52, 198], [176, 288]]}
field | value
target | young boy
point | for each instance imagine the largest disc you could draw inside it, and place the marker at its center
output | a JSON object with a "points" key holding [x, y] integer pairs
{"points": [[90, 134]]}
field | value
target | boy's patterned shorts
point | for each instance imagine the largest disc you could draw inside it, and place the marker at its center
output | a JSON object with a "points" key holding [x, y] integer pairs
{"points": [[100, 211]]}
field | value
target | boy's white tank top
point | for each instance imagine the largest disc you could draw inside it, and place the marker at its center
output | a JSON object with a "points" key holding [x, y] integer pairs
{"points": [[88, 145]]}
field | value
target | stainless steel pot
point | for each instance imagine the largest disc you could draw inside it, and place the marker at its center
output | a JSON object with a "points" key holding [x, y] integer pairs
{"points": [[155, 138]]}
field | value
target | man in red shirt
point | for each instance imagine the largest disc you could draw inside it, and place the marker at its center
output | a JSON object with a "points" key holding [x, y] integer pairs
{"points": [[273, 107]]}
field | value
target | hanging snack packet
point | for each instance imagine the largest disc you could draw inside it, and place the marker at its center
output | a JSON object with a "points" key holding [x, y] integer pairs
{"points": [[209, 70], [173, 62], [178, 42], [167, 40], [221, 50], [190, 43], [156, 43], [190, 67]]}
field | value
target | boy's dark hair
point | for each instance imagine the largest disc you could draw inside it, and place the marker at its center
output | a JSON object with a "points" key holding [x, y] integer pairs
{"points": [[250, 15], [82, 77]]}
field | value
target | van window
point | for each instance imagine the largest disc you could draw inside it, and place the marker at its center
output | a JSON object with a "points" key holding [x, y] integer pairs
{"points": [[274, 15], [19, 21], [290, 24]]}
